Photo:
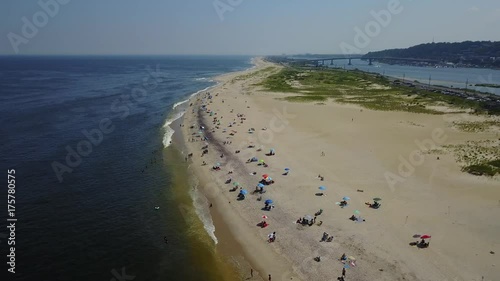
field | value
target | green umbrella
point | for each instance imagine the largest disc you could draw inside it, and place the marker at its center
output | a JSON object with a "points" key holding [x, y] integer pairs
{"points": [[236, 183], [377, 199], [357, 212]]}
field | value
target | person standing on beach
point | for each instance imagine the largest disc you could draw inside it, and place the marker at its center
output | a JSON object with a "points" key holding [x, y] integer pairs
{"points": [[343, 272], [269, 277], [251, 272]]}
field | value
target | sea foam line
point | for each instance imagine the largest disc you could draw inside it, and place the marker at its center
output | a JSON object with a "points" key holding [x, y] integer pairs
{"points": [[169, 131], [200, 202]]}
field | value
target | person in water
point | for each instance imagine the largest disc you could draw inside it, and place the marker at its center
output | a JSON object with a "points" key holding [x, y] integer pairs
{"points": [[165, 239]]}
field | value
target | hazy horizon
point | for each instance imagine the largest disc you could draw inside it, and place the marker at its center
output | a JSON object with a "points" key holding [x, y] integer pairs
{"points": [[238, 27]]}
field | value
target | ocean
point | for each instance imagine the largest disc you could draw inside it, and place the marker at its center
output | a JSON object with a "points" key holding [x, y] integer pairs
{"points": [[98, 185]]}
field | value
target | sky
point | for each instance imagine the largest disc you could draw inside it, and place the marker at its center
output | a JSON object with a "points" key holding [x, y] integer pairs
{"points": [[233, 27]]}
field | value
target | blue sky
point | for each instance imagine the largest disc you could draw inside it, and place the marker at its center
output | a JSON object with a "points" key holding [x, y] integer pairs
{"points": [[253, 27]]}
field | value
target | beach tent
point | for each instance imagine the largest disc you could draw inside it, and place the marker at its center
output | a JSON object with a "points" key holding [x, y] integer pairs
{"points": [[268, 201], [244, 192]]}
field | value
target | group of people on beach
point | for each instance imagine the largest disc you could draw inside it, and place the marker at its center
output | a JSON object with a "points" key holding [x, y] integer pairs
{"points": [[216, 121]]}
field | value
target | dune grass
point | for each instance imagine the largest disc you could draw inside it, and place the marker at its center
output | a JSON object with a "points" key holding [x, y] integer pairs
{"points": [[368, 90]]}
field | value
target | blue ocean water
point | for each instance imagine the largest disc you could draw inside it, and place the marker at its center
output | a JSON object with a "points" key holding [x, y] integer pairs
{"points": [[86, 137]]}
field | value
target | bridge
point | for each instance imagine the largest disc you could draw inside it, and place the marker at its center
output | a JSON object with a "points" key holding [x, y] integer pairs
{"points": [[323, 61]]}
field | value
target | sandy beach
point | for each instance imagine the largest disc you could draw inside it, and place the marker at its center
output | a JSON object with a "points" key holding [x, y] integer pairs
{"points": [[361, 154]]}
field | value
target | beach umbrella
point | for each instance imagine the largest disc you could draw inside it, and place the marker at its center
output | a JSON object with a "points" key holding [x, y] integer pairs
{"points": [[264, 217], [322, 188], [287, 169], [217, 164], [425, 236], [308, 217], [244, 191], [346, 266], [265, 175], [268, 201], [260, 185], [269, 179], [345, 198], [351, 258], [236, 183], [357, 212], [261, 161], [377, 199]]}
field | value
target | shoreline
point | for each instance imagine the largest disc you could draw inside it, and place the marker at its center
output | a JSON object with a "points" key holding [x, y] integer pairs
{"points": [[227, 248], [232, 242], [291, 255]]}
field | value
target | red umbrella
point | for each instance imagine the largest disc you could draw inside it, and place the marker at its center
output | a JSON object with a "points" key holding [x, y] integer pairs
{"points": [[265, 175], [425, 236], [264, 217]]}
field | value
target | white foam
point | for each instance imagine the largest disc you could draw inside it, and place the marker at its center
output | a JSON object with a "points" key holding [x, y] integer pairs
{"points": [[200, 203], [204, 79], [169, 132]]}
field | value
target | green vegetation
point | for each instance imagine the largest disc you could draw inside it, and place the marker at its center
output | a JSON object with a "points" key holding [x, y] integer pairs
{"points": [[355, 87], [478, 157], [266, 70], [305, 98], [477, 126], [483, 169], [488, 85]]}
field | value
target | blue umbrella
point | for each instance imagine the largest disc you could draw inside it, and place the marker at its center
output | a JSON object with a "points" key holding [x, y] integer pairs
{"points": [[244, 191], [268, 201], [322, 188], [287, 169], [260, 185], [346, 198]]}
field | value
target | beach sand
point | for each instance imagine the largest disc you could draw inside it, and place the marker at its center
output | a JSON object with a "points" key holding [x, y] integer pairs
{"points": [[383, 154]]}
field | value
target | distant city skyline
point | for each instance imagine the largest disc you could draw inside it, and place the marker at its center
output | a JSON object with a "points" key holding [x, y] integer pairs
{"points": [[239, 27]]}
